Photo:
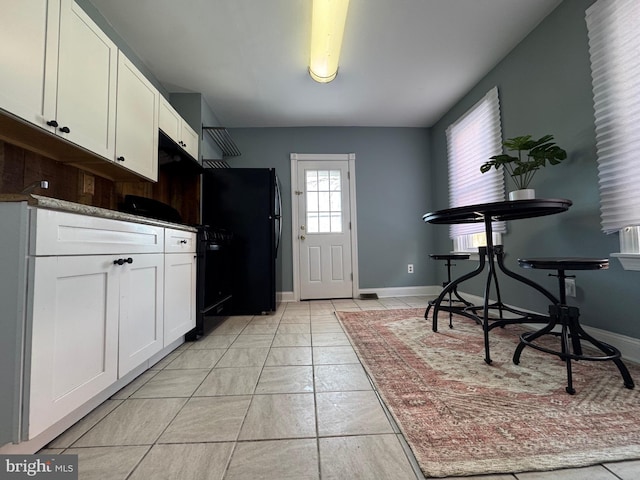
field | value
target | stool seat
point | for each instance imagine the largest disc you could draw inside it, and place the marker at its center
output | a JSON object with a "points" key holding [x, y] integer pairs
{"points": [[450, 256], [565, 263]]}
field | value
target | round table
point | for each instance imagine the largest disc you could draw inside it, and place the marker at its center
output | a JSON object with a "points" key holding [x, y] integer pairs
{"points": [[488, 213]]}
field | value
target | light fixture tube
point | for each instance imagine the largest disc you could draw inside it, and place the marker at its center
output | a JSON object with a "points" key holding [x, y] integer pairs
{"points": [[327, 29]]}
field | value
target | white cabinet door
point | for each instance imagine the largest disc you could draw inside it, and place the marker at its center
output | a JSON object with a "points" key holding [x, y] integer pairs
{"points": [[137, 121], [179, 295], [29, 58], [170, 121], [74, 349], [190, 140], [141, 310], [86, 98], [178, 129]]}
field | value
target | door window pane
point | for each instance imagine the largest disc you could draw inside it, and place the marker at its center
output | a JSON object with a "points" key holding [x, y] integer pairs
{"points": [[323, 201]]}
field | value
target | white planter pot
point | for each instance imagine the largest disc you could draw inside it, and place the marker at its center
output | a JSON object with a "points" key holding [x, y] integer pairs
{"points": [[525, 194]]}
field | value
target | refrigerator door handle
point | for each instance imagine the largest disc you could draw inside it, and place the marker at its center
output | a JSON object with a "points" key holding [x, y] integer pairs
{"points": [[278, 215]]}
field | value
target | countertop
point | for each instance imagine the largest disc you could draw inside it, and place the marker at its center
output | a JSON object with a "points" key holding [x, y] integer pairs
{"points": [[50, 203]]}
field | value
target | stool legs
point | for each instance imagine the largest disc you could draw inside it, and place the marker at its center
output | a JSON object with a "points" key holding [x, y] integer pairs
{"points": [[571, 336], [452, 292]]}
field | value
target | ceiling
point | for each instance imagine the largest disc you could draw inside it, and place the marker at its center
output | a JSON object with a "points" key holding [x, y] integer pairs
{"points": [[404, 63]]}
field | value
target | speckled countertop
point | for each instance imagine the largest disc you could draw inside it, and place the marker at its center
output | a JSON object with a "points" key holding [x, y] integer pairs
{"points": [[56, 204]]}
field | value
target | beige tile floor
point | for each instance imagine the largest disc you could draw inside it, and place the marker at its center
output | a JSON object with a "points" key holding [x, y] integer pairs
{"points": [[281, 396]]}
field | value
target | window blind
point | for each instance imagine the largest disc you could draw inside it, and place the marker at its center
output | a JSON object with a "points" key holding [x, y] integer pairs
{"points": [[471, 141], [614, 45]]}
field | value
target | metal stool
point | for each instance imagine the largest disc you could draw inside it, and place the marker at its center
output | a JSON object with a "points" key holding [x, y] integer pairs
{"points": [[451, 308], [561, 314]]}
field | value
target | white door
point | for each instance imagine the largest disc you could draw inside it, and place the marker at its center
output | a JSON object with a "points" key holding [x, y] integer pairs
{"points": [[324, 229]]}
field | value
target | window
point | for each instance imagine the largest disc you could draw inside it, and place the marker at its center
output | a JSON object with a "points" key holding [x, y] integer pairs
{"points": [[471, 141], [324, 195], [614, 43]]}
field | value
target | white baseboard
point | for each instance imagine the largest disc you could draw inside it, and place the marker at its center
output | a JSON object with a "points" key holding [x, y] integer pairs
{"points": [[381, 292], [402, 291], [285, 297]]}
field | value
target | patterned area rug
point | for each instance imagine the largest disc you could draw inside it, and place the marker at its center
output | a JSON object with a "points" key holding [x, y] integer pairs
{"points": [[463, 417]]}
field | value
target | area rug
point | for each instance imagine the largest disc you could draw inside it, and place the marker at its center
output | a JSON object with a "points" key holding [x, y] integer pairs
{"points": [[461, 416]]}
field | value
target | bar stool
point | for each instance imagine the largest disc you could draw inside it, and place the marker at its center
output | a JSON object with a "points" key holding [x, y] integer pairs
{"points": [[451, 308], [566, 316]]}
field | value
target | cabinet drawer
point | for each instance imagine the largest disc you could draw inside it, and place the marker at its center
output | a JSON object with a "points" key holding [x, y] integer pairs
{"points": [[61, 233], [179, 241]]}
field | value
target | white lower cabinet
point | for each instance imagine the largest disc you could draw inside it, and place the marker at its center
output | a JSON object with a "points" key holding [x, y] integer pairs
{"points": [[179, 283], [141, 309], [98, 298], [93, 322], [74, 346], [179, 295]]}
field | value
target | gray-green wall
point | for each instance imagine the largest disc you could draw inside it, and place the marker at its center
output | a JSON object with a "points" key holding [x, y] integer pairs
{"points": [[545, 87], [392, 193]]}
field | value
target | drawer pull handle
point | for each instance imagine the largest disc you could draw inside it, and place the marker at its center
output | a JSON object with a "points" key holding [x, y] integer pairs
{"points": [[64, 129], [52, 123], [122, 261], [183, 241], [120, 158]]}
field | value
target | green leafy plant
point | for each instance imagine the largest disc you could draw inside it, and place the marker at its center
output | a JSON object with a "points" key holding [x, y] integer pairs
{"points": [[532, 155]]}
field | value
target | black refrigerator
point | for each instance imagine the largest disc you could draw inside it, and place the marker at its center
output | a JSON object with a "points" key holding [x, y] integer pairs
{"points": [[247, 203]]}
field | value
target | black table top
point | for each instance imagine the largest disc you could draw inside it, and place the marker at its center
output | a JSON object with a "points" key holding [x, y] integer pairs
{"points": [[507, 210]]}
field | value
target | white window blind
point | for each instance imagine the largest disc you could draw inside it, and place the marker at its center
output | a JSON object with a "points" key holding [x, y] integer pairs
{"points": [[471, 141], [614, 47]]}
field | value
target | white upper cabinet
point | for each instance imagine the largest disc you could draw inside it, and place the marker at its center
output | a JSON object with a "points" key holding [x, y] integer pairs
{"points": [[190, 140], [29, 58], [87, 71], [137, 121], [178, 129], [59, 72]]}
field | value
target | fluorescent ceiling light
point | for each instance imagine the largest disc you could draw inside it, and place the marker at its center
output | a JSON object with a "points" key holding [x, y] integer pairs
{"points": [[327, 29]]}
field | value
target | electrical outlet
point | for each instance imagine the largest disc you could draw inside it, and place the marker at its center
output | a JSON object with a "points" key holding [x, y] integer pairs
{"points": [[410, 268], [570, 287], [88, 184]]}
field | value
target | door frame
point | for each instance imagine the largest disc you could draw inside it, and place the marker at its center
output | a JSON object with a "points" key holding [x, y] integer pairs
{"points": [[295, 226]]}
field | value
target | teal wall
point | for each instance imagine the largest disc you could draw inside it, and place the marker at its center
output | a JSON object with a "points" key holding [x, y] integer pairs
{"points": [[545, 87], [392, 193]]}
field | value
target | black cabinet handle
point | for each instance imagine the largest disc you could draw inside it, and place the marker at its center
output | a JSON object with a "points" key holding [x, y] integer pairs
{"points": [[183, 241], [64, 129], [120, 159], [122, 261], [52, 123]]}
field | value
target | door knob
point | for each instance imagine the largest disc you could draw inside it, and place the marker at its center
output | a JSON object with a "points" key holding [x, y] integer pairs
{"points": [[302, 237]]}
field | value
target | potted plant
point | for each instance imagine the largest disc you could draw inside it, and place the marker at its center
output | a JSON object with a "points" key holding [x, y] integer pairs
{"points": [[532, 155]]}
